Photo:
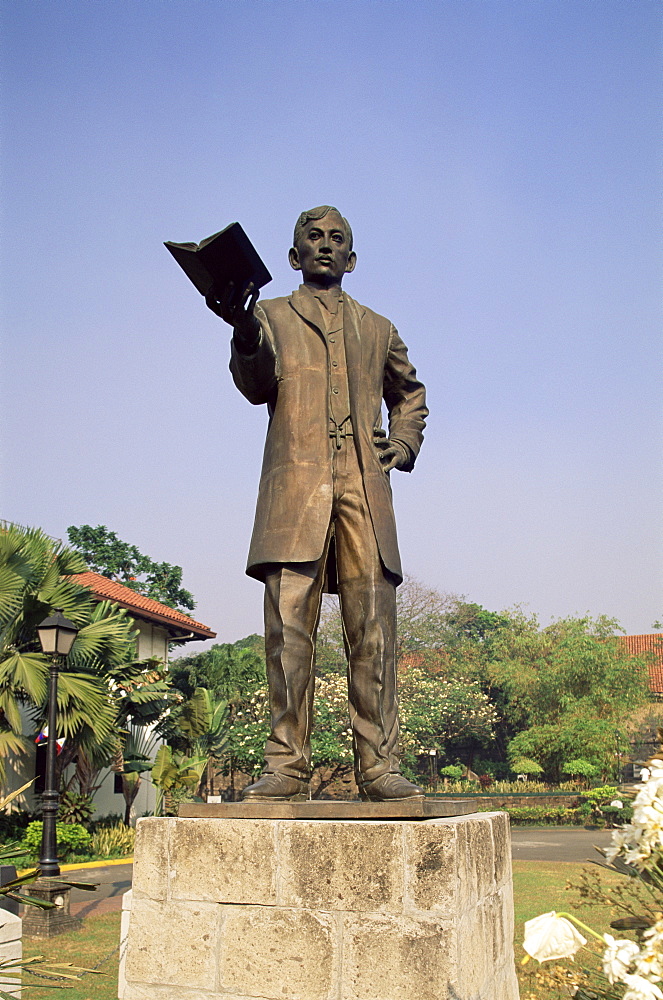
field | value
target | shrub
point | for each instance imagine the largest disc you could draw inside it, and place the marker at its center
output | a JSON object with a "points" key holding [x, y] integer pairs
{"points": [[525, 765], [580, 768], [485, 780], [543, 815], [13, 825], [75, 808], [72, 838], [113, 841], [453, 771], [603, 793]]}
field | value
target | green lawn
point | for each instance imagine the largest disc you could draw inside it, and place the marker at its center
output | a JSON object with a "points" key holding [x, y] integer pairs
{"points": [[539, 886], [85, 947]]}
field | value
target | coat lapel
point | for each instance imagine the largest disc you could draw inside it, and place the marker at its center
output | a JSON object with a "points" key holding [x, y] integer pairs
{"points": [[306, 306]]}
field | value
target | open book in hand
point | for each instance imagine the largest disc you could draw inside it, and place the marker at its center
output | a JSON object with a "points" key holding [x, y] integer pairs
{"points": [[227, 256]]}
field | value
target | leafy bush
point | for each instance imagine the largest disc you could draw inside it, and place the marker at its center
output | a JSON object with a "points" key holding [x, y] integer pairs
{"points": [[580, 768], [615, 815], [543, 815], [602, 793], [72, 838], [75, 808], [525, 765], [485, 780], [453, 771], [113, 841], [13, 825]]}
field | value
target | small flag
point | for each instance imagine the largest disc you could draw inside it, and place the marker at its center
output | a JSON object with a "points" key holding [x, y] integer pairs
{"points": [[43, 737]]}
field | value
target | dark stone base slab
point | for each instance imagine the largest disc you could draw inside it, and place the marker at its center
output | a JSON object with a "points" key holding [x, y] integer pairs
{"points": [[416, 808]]}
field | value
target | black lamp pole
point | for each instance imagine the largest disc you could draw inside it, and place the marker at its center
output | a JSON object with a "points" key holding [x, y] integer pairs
{"points": [[56, 635]]}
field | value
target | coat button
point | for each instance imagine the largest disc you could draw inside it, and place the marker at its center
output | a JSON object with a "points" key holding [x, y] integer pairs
{"points": [[335, 390]]}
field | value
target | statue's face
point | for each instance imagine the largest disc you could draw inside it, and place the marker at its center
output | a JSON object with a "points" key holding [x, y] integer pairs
{"points": [[323, 252]]}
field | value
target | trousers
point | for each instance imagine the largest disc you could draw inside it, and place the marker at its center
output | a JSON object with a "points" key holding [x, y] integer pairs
{"points": [[367, 595]]}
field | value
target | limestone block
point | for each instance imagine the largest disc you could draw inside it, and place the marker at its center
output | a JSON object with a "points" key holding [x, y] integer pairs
{"points": [[481, 855], [431, 866], [135, 991], [11, 948], [277, 953], [151, 861], [473, 963], [228, 861], [124, 938], [502, 847], [172, 944], [342, 865], [310, 909], [389, 957], [11, 927]]}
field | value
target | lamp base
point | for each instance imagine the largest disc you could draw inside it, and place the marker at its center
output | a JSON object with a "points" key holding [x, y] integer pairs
{"points": [[40, 923]]}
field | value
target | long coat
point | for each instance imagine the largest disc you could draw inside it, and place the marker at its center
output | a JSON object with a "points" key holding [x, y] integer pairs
{"points": [[290, 373]]}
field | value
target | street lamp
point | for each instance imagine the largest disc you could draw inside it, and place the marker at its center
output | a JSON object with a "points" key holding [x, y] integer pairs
{"points": [[56, 636]]}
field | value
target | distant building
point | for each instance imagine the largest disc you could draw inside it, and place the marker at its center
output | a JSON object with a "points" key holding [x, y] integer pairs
{"points": [[157, 624], [650, 646]]}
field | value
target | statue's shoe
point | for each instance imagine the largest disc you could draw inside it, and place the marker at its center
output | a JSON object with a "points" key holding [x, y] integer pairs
{"points": [[276, 788], [389, 788]]}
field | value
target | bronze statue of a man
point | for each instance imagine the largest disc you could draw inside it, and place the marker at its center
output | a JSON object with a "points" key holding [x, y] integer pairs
{"points": [[323, 364]]}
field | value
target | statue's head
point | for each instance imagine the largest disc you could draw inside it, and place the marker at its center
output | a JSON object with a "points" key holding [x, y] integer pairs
{"points": [[322, 246]]}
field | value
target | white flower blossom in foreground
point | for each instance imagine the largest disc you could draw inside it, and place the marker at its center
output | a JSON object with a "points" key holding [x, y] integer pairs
{"points": [[549, 937], [640, 988], [650, 962], [617, 957]]}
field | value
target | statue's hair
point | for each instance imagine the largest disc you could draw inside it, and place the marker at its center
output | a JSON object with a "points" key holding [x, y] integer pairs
{"points": [[313, 215]]}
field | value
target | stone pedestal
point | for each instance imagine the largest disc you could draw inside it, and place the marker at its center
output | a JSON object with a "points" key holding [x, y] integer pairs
{"points": [[47, 923], [306, 909]]}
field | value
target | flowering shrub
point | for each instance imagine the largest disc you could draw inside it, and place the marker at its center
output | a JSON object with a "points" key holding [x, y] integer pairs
{"points": [[631, 970]]}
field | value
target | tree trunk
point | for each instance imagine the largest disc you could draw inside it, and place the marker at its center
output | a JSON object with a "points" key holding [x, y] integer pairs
{"points": [[130, 787]]}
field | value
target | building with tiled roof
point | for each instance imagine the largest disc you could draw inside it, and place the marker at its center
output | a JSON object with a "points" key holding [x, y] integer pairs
{"points": [[157, 625], [650, 646]]}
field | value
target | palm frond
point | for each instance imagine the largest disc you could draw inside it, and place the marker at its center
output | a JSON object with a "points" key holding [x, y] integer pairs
{"points": [[26, 672]]}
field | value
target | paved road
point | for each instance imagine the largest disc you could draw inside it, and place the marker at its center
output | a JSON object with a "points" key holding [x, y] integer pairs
{"points": [[528, 844], [113, 881], [557, 843]]}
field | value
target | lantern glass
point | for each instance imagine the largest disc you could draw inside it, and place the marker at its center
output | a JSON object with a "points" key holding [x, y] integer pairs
{"points": [[47, 638], [57, 634], [65, 640]]}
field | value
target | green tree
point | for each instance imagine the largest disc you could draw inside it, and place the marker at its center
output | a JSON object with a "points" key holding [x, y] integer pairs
{"points": [[106, 554], [234, 673], [197, 728], [571, 737], [231, 671], [35, 575]]}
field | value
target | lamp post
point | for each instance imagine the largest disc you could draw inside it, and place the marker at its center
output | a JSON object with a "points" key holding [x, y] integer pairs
{"points": [[56, 635]]}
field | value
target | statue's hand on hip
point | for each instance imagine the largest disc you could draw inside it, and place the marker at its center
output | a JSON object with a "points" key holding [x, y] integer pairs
{"points": [[392, 454]]}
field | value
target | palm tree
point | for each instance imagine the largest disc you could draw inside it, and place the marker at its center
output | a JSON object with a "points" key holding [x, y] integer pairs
{"points": [[35, 573]]}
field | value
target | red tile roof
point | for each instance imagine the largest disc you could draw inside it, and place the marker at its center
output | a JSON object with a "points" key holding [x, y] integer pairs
{"points": [[652, 646], [140, 606]]}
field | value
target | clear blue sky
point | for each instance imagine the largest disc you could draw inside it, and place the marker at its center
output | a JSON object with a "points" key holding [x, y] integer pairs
{"points": [[498, 161]]}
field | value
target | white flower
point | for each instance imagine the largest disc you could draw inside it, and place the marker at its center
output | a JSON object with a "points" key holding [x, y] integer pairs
{"points": [[656, 768], [640, 988], [650, 961], [618, 956], [617, 803], [549, 937]]}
